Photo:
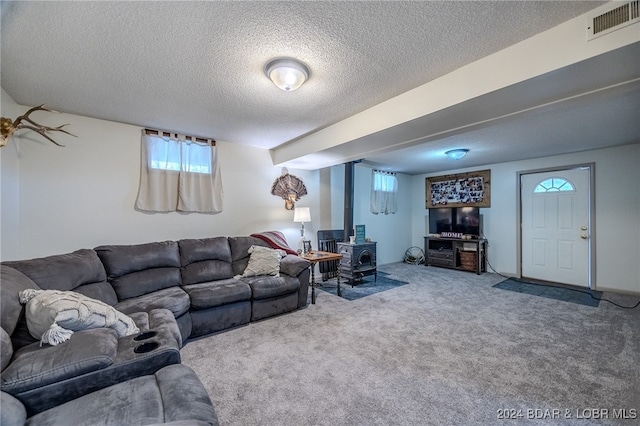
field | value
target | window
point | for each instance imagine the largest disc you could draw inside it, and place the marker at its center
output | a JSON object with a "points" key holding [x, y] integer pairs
{"points": [[179, 173], [384, 182], [384, 188], [554, 185], [193, 157]]}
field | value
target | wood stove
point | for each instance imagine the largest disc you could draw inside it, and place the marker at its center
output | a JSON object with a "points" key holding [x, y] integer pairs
{"points": [[358, 261]]}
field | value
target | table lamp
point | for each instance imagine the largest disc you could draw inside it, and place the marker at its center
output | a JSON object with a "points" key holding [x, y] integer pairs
{"points": [[302, 215]]}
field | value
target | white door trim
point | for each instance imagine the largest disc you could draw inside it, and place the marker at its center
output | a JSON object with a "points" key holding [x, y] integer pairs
{"points": [[592, 216]]}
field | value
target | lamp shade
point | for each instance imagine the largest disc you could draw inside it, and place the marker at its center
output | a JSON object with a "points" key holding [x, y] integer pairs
{"points": [[287, 74], [302, 214], [456, 154]]}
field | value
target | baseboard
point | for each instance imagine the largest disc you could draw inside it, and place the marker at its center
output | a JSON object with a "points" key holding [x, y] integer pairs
{"points": [[618, 291]]}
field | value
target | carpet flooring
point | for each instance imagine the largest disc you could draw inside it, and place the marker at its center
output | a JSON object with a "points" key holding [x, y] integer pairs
{"points": [[581, 297], [368, 286], [446, 349]]}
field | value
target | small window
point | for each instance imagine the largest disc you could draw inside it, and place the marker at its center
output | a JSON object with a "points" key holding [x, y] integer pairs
{"points": [[384, 188], [385, 182], [554, 185], [178, 174], [167, 154]]}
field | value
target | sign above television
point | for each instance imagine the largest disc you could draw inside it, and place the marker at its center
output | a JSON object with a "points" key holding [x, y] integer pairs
{"points": [[472, 189]]}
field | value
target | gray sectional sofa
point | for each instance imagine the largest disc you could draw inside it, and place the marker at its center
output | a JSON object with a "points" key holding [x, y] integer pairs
{"points": [[173, 291]]}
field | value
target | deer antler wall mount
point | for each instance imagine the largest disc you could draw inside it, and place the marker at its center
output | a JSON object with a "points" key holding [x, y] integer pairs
{"points": [[8, 127]]}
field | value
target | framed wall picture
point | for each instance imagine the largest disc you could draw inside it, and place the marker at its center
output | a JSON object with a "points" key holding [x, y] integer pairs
{"points": [[306, 246], [360, 234], [472, 189]]}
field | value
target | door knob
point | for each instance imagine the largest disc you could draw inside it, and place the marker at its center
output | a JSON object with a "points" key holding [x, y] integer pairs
{"points": [[584, 228], [583, 236]]}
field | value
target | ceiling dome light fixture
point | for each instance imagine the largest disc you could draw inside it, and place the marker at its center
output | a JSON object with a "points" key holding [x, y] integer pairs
{"points": [[287, 73], [456, 154]]}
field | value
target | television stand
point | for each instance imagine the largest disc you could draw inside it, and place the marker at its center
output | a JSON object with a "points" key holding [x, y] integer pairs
{"points": [[453, 253]]}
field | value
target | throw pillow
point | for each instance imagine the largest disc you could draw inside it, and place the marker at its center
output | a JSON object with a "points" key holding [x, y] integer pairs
{"points": [[53, 315], [263, 261]]}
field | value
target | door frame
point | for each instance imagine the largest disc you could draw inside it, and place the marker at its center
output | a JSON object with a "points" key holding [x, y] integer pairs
{"points": [[592, 216]]}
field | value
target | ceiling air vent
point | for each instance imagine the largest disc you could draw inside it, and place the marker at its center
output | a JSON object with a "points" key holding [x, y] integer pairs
{"points": [[618, 16]]}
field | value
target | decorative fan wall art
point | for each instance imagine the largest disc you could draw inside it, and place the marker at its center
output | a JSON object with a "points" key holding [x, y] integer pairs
{"points": [[289, 187]]}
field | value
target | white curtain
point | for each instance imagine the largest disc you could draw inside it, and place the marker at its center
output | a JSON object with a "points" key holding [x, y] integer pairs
{"points": [[179, 175], [384, 189]]}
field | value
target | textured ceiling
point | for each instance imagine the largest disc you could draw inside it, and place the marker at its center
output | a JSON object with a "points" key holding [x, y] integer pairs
{"points": [[197, 67]]}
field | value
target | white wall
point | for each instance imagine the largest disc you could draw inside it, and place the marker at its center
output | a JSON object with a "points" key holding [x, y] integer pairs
{"points": [[9, 187], [617, 213], [83, 195], [55, 200], [391, 232]]}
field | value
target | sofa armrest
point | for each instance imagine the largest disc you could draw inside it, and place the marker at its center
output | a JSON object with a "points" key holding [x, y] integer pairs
{"points": [[33, 366], [293, 265], [12, 412], [129, 364], [159, 320], [189, 399], [133, 356]]}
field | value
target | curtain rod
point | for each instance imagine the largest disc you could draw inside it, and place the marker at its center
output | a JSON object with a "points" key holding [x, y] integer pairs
{"points": [[187, 137], [384, 172]]}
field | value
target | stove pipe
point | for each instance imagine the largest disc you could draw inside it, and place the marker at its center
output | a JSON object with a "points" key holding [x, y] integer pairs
{"points": [[348, 200]]}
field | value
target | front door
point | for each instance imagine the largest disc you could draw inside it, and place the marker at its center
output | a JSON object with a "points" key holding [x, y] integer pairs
{"points": [[555, 226]]}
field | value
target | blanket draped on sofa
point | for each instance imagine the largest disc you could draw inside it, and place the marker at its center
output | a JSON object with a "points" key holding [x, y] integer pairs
{"points": [[275, 239]]}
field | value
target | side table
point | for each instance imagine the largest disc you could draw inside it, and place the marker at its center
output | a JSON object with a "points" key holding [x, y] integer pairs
{"points": [[318, 257]]}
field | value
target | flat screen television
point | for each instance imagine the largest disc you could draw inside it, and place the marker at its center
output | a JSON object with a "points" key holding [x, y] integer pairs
{"points": [[440, 220], [465, 220]]}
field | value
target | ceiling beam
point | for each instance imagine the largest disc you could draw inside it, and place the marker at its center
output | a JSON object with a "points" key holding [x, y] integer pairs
{"points": [[552, 62]]}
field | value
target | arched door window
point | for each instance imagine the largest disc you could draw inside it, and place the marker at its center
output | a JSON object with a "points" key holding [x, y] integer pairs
{"points": [[554, 185]]}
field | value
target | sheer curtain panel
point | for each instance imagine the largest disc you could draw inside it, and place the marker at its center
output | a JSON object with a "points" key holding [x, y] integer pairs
{"points": [[384, 189], [177, 174]]}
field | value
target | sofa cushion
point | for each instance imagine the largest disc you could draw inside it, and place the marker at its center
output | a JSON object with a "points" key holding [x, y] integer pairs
{"points": [[217, 293], [144, 282], [13, 282], [204, 260], [123, 259], [135, 270], [265, 308], [21, 336], [263, 287], [263, 261], [102, 291], [80, 271], [173, 394], [6, 349], [34, 366], [54, 315], [207, 270], [173, 299], [196, 250], [240, 251]]}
